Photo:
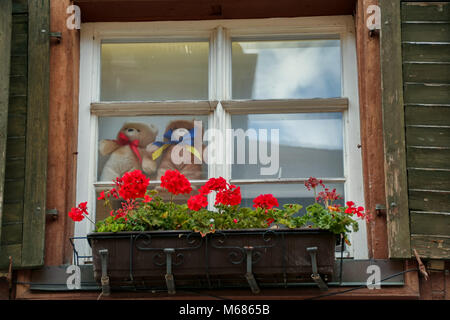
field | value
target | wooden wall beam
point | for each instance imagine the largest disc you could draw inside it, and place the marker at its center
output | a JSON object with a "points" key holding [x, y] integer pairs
{"points": [[159, 10]]}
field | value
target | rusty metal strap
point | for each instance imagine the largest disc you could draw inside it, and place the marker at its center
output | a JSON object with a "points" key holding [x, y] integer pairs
{"points": [[315, 272]]}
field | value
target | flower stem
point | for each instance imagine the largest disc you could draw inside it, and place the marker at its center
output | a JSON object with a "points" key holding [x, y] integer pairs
{"points": [[88, 219], [171, 203]]}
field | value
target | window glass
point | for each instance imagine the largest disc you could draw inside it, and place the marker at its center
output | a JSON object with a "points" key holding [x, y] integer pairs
{"points": [[287, 145], [293, 69], [157, 137], [154, 71]]}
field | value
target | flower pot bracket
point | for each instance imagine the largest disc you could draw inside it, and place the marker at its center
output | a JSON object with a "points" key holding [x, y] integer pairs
{"points": [[315, 273], [249, 274], [106, 290], [170, 282]]}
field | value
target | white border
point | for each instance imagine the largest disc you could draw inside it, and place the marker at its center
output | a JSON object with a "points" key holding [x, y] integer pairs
{"points": [[219, 32]]}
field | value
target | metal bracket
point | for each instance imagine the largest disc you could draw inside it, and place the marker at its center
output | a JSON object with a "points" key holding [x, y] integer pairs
{"points": [[170, 282], [374, 33], [52, 213], [57, 35], [315, 274], [422, 268], [106, 289], [380, 209], [249, 274], [8, 275]]}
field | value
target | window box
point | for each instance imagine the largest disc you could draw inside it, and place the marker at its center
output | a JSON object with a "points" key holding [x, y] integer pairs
{"points": [[230, 258]]}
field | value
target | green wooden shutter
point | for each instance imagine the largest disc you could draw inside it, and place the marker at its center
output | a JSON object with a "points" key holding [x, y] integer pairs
{"points": [[415, 63], [25, 161], [5, 58]]}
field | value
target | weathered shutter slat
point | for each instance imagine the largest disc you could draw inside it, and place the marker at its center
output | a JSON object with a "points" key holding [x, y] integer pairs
{"points": [[426, 52], [426, 32], [429, 223], [5, 57], [427, 136], [422, 11], [393, 131], [427, 72], [428, 200], [37, 133], [431, 246], [420, 93]]}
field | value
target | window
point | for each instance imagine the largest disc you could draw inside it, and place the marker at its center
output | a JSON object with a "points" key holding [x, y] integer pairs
{"points": [[276, 101]]}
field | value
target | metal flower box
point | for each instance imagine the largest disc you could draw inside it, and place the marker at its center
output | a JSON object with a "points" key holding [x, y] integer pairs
{"points": [[231, 258]]}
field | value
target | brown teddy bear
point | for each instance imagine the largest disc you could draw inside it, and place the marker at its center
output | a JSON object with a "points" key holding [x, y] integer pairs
{"points": [[179, 151], [128, 152]]}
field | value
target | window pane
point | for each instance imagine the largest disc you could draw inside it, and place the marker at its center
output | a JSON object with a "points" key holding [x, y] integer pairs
{"points": [[154, 71], [309, 144], [287, 193], [296, 69], [116, 158]]}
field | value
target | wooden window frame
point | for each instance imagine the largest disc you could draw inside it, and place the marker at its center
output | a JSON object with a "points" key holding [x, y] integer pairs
{"points": [[220, 33]]}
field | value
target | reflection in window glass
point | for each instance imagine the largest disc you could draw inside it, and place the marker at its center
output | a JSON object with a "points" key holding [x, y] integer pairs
{"points": [[156, 137], [287, 193], [154, 71], [295, 69], [309, 144]]}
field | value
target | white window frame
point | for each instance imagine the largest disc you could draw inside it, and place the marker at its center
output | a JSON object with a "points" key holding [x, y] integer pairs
{"points": [[220, 105]]}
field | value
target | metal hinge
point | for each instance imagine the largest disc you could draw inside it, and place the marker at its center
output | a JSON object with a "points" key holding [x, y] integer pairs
{"points": [[380, 209], [8, 275], [52, 213], [56, 35]]}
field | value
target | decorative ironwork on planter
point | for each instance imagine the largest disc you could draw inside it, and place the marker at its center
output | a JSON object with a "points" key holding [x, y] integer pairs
{"points": [[231, 258]]}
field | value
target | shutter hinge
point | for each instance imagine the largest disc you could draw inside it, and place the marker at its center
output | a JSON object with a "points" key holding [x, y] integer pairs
{"points": [[380, 209], [52, 213], [57, 35], [8, 275]]}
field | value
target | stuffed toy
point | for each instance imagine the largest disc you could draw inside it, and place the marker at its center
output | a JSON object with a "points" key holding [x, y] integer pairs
{"points": [[179, 151], [128, 152]]}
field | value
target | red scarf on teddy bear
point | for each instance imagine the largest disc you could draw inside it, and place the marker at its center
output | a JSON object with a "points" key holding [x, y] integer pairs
{"points": [[124, 140]]}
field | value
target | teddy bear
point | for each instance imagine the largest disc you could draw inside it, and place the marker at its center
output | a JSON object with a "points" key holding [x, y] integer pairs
{"points": [[128, 152], [179, 150]]}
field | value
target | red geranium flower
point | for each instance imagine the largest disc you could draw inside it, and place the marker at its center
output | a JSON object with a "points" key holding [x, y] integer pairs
{"points": [[132, 185], [176, 183], [78, 214], [214, 184], [229, 197], [328, 196], [102, 196], [359, 211], [127, 206], [313, 183], [197, 202], [147, 198], [265, 201]]}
